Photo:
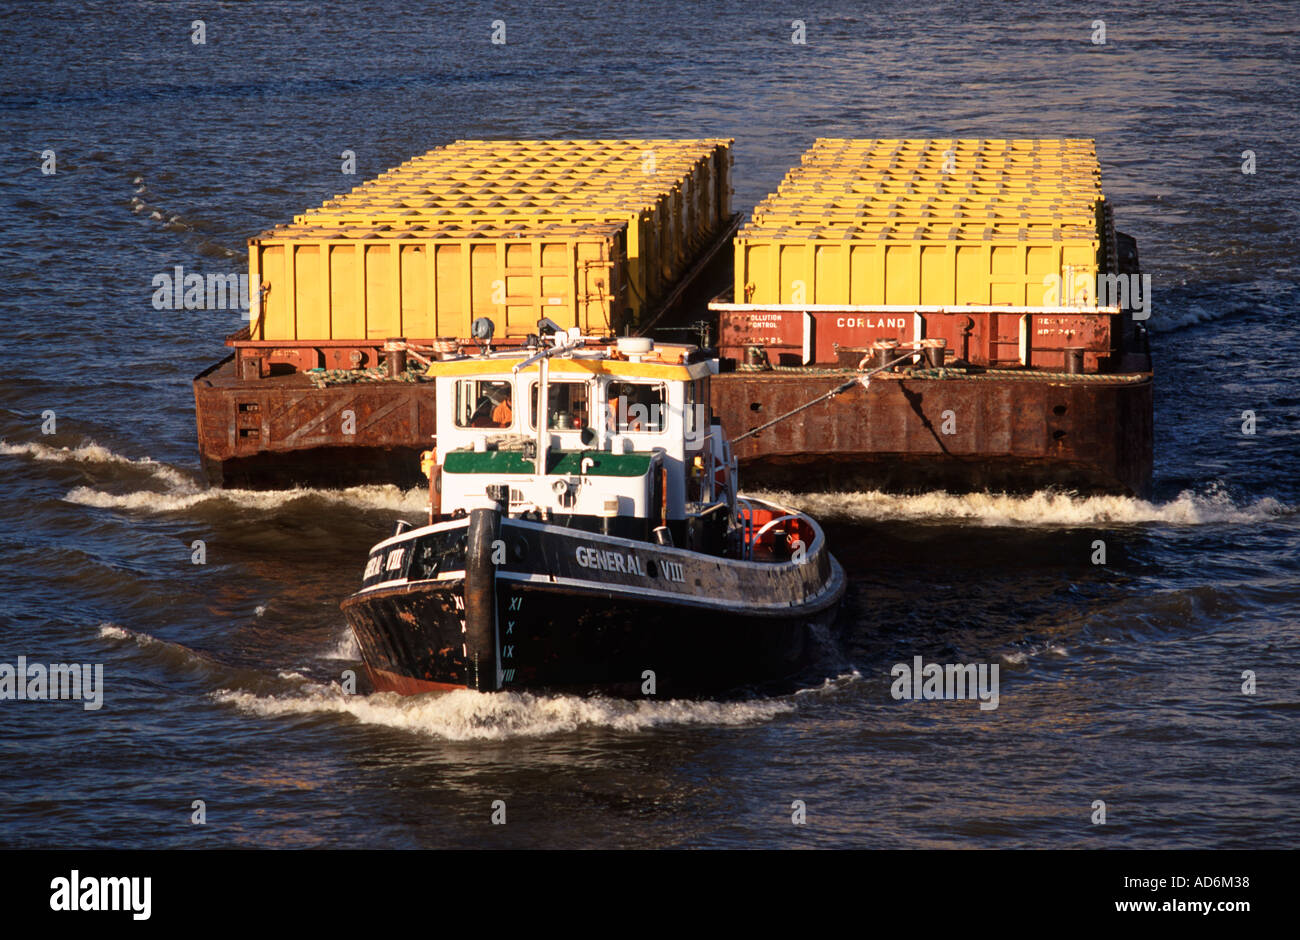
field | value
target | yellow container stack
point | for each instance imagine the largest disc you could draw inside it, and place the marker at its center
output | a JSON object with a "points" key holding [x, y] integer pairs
{"points": [[930, 222], [373, 282], [592, 233]]}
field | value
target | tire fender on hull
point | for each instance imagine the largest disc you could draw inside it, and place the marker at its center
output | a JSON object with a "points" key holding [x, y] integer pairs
{"points": [[481, 646]]}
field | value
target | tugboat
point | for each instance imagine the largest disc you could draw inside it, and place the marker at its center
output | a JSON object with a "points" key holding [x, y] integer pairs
{"points": [[597, 543]]}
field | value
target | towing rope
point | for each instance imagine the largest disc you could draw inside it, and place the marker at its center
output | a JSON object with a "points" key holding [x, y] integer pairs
{"points": [[1028, 375], [859, 378]]}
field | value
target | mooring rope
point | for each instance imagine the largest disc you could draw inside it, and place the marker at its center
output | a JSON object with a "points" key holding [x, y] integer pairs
{"points": [[373, 375], [859, 378]]}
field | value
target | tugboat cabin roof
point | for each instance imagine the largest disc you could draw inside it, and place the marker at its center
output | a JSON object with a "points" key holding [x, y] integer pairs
{"points": [[585, 363]]}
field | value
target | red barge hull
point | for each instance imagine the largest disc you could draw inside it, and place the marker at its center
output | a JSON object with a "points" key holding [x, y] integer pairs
{"points": [[1001, 432]]}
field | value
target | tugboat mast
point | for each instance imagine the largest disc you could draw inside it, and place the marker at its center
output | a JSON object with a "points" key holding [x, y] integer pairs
{"points": [[542, 357]]}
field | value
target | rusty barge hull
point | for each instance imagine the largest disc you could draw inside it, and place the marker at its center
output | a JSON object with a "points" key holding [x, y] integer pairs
{"points": [[281, 432], [1090, 434], [1003, 433]]}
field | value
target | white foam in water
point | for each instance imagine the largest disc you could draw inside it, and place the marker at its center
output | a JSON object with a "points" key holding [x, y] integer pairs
{"points": [[1047, 509], [385, 497], [832, 685], [1019, 657], [94, 454], [467, 716], [182, 492], [346, 648], [139, 500], [111, 631]]}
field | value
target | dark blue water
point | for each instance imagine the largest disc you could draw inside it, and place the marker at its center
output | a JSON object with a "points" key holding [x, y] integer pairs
{"points": [[1120, 682]]}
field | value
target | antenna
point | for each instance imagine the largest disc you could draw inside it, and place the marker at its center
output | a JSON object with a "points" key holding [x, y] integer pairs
{"points": [[702, 328]]}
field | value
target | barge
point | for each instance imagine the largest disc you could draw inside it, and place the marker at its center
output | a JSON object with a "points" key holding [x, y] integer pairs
{"points": [[599, 545], [996, 264]]}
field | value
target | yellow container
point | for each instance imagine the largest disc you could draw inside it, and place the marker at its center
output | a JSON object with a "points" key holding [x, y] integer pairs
{"points": [[997, 269], [647, 233], [367, 283], [673, 196], [922, 222]]}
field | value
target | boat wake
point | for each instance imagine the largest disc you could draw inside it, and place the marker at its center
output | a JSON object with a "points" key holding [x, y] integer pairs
{"points": [[177, 659], [182, 499], [452, 716], [143, 206], [95, 454], [463, 715], [1191, 306], [145, 485], [175, 491], [1045, 509]]}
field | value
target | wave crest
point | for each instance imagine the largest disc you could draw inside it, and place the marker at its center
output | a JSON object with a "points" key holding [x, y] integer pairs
{"points": [[1045, 508], [180, 499], [92, 453], [181, 492]]}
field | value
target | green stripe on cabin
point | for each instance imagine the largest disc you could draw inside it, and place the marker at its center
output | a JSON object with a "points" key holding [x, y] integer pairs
{"points": [[559, 463]]}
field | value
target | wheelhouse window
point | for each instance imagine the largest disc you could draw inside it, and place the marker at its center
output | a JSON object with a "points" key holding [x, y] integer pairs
{"points": [[636, 406], [569, 407], [484, 404]]}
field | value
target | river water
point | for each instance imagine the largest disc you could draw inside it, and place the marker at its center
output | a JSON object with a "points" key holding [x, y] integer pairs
{"points": [[1120, 682]]}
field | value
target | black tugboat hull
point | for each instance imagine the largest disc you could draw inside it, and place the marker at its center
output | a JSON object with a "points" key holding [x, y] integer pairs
{"points": [[560, 640], [564, 610]]}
